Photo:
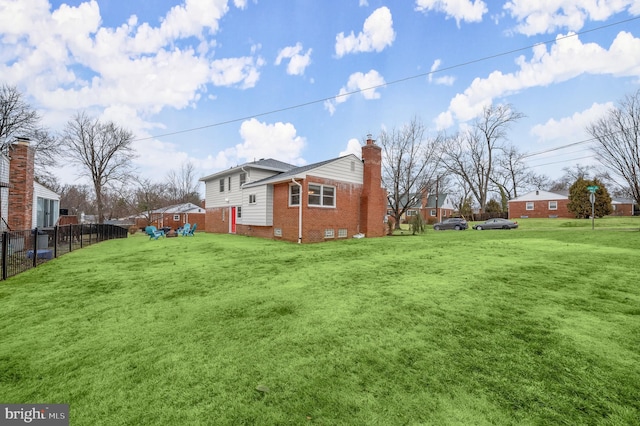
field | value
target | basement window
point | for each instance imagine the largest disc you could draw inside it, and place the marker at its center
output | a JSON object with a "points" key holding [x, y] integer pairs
{"points": [[329, 233], [277, 232], [342, 233]]}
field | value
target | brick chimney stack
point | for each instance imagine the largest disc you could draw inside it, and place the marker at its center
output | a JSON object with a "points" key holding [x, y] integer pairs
{"points": [[373, 204], [21, 175]]}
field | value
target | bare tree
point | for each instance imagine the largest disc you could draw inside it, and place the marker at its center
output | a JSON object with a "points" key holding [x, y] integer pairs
{"points": [[409, 165], [104, 151], [617, 146], [19, 119], [183, 184], [77, 199], [472, 154]]}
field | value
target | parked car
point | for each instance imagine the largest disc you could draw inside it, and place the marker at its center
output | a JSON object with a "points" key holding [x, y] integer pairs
{"points": [[456, 223], [496, 223]]}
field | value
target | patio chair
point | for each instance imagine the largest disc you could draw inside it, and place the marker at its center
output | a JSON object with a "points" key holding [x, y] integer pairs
{"points": [[153, 232], [192, 230], [185, 229]]}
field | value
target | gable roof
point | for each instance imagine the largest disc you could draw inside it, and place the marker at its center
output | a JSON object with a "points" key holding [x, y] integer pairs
{"points": [[539, 195], [431, 200], [294, 172], [263, 164], [180, 208]]}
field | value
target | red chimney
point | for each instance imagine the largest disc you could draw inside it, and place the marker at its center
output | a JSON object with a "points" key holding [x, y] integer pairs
{"points": [[21, 174], [373, 203]]}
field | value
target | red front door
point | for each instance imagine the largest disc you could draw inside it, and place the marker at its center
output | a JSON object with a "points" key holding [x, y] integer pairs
{"points": [[233, 220]]}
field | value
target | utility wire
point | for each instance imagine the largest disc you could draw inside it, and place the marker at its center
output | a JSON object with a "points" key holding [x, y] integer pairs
{"points": [[401, 80]]}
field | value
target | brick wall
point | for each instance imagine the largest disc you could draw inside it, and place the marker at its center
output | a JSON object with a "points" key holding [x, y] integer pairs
{"points": [[518, 209], [373, 205], [21, 174]]}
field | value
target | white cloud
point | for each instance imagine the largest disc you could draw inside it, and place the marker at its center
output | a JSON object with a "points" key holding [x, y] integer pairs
{"points": [[363, 3], [445, 80], [548, 16], [365, 84], [353, 147], [297, 62], [460, 10], [262, 140], [567, 128], [566, 59], [242, 71], [377, 33]]}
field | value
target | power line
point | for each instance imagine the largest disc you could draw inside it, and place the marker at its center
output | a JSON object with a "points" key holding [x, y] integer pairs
{"points": [[386, 84]]}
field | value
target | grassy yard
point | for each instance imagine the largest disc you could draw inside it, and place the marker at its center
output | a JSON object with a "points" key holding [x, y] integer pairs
{"points": [[539, 326]]}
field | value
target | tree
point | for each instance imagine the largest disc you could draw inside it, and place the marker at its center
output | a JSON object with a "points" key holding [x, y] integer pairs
{"points": [[494, 206], [183, 185], [77, 199], [472, 154], [104, 151], [579, 203], [617, 145], [409, 166], [19, 119]]}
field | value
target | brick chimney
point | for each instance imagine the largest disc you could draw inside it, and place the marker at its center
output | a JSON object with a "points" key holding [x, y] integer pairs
{"points": [[373, 203], [21, 174]]}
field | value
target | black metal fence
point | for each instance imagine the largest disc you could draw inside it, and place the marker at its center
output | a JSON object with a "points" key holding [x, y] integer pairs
{"points": [[23, 250]]}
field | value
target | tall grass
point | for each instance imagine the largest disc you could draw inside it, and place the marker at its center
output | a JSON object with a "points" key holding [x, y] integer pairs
{"points": [[492, 327]]}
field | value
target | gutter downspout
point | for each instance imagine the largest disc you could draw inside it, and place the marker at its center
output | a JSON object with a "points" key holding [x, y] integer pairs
{"points": [[299, 212]]}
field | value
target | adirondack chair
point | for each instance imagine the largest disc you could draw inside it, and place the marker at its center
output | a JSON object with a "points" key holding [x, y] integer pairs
{"points": [[153, 232], [185, 229], [192, 230]]}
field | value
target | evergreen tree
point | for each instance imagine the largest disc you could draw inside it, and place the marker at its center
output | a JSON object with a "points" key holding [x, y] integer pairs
{"points": [[579, 203]]}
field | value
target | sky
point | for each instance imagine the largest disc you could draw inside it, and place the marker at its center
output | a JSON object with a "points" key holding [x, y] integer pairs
{"points": [[222, 82]]}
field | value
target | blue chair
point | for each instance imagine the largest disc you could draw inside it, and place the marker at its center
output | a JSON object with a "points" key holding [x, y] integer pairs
{"points": [[185, 229], [153, 232], [192, 230]]}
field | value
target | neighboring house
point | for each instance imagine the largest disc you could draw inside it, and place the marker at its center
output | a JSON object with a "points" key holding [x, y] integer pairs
{"points": [[623, 207], [174, 216], [426, 206], [438, 207], [540, 204], [333, 199], [24, 203]]}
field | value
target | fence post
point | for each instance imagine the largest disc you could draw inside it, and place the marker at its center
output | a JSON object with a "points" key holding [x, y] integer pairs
{"points": [[55, 241], [34, 232], [5, 253]]}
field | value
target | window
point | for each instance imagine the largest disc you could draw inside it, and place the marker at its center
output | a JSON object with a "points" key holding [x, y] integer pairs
{"points": [[176, 217], [353, 166], [243, 179], [553, 205], [432, 213], [239, 212], [529, 205], [221, 185], [328, 233], [252, 198], [294, 195], [342, 233], [229, 186], [321, 195], [412, 213]]}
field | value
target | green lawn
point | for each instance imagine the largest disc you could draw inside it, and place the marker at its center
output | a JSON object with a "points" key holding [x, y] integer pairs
{"points": [[539, 325]]}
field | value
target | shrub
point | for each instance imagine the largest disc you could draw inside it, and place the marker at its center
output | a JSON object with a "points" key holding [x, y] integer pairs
{"points": [[133, 230]]}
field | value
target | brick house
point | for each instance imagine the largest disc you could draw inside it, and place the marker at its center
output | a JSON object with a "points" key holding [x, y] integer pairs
{"points": [[329, 200], [540, 204], [174, 216], [24, 203], [432, 207], [623, 207]]}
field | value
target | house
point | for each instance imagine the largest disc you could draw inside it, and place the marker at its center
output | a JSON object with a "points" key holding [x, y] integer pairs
{"points": [[432, 207], [540, 204], [329, 200], [24, 203], [174, 216], [623, 207]]}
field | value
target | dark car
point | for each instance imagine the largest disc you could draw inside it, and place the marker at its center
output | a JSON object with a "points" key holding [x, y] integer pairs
{"points": [[496, 223], [456, 223]]}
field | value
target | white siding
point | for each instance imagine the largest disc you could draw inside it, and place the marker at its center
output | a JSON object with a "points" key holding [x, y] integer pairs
{"points": [[341, 170], [40, 191], [260, 213], [232, 196]]}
